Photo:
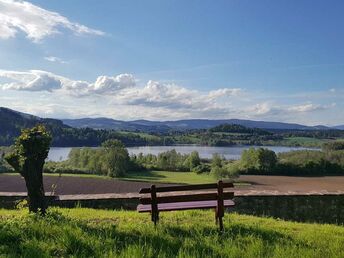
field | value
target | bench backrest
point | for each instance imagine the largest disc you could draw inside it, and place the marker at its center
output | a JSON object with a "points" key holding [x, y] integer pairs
{"points": [[219, 194]]}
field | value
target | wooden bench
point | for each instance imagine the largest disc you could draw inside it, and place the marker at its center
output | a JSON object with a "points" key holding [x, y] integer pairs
{"points": [[217, 199]]}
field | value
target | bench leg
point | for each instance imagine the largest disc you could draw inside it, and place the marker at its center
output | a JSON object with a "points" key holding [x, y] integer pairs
{"points": [[155, 217], [221, 224], [218, 220], [216, 217]]}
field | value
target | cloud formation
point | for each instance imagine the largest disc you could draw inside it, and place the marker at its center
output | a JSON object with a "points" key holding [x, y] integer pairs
{"points": [[37, 80], [36, 22], [123, 97]]}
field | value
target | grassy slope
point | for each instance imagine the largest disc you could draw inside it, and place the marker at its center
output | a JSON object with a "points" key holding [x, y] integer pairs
{"points": [[100, 233]]}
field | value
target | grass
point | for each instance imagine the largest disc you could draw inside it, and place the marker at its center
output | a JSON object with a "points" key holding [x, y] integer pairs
{"points": [[100, 233], [168, 177], [303, 141]]}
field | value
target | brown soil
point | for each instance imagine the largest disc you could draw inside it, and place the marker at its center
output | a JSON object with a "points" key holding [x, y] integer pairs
{"points": [[73, 185], [78, 185]]}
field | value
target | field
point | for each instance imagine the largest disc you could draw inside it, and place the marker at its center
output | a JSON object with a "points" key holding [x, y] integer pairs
{"points": [[170, 177], [99, 233], [303, 141], [91, 184]]}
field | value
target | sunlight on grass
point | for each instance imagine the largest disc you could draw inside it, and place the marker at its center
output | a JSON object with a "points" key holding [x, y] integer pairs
{"points": [[104, 233]]}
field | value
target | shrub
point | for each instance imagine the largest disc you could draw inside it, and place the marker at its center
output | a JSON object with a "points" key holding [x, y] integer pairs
{"points": [[202, 168], [333, 146]]}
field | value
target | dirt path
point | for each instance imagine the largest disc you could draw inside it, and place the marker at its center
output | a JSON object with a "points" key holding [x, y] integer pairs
{"points": [[80, 185]]}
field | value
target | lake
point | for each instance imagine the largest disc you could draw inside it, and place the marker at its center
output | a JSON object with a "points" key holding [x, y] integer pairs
{"points": [[232, 152]]}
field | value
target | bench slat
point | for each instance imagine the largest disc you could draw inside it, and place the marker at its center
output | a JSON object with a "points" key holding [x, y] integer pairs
{"points": [[185, 188], [186, 198], [184, 205]]}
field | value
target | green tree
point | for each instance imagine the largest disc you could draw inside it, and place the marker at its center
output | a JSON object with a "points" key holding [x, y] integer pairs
{"points": [[116, 158], [28, 157], [260, 159], [216, 161], [193, 160]]}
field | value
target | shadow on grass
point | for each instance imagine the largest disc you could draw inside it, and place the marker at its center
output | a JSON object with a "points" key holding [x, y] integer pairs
{"points": [[144, 175], [84, 239]]}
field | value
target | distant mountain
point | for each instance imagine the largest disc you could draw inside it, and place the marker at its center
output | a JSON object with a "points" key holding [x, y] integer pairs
{"points": [[338, 127], [145, 125], [111, 124], [12, 122]]}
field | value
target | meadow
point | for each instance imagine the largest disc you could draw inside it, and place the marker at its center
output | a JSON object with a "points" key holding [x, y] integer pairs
{"points": [[83, 232]]}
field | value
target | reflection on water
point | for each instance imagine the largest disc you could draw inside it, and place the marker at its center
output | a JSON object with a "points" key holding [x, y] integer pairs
{"points": [[233, 152]]}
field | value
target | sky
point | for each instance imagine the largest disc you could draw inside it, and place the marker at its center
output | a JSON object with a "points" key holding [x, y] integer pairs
{"points": [[270, 60]]}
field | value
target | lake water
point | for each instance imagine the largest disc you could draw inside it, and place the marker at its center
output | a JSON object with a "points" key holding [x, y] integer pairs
{"points": [[233, 152]]}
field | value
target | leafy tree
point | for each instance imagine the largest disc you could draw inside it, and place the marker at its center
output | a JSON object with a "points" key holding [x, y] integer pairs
{"points": [[193, 160], [216, 160], [28, 157], [260, 159], [117, 158]]}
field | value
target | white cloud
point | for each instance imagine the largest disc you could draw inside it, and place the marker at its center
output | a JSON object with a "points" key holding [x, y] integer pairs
{"points": [[33, 80], [122, 97], [36, 80], [308, 107], [36, 22], [55, 59], [267, 109]]}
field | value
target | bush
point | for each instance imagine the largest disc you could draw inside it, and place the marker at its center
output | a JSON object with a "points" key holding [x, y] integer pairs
{"points": [[202, 168], [333, 146]]}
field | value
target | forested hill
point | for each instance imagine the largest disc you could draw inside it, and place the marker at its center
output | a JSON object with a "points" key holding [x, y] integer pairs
{"points": [[234, 128], [12, 122]]}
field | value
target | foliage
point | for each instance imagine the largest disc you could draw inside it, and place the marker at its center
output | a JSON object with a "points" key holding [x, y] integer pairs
{"points": [[235, 128], [202, 168], [333, 146], [192, 161], [311, 163], [259, 159], [220, 168], [4, 166], [28, 158], [116, 158], [112, 159], [303, 162], [168, 160], [100, 233]]}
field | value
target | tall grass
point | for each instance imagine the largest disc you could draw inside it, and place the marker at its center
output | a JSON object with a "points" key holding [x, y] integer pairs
{"points": [[99, 233]]}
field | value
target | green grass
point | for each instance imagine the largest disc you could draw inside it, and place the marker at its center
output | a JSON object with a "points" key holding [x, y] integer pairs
{"points": [[303, 141], [170, 177], [101, 233]]}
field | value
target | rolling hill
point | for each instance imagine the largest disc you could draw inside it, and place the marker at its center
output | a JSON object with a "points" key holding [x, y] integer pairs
{"points": [[188, 124]]}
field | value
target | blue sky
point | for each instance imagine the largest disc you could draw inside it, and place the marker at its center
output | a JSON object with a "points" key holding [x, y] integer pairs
{"points": [[161, 60]]}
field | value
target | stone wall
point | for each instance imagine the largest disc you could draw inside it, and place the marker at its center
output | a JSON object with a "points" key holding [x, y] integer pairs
{"points": [[306, 208]]}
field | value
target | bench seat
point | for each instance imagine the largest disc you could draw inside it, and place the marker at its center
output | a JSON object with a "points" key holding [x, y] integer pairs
{"points": [[174, 206]]}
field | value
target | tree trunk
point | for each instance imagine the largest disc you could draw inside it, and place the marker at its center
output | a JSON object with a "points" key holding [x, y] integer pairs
{"points": [[35, 189]]}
